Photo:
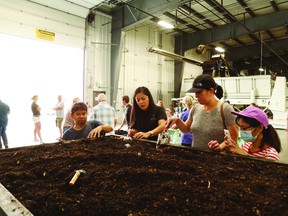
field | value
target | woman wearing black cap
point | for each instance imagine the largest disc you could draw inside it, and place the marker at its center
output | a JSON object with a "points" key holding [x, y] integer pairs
{"points": [[205, 119]]}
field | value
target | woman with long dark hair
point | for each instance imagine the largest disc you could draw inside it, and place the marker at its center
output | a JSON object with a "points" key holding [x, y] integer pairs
{"points": [[147, 119]]}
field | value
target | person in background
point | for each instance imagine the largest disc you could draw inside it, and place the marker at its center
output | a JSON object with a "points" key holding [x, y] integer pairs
{"points": [[160, 104], [147, 119], [4, 111], [168, 112], [36, 119], [186, 138], [89, 109], [261, 139], [59, 108], [68, 121], [82, 127], [179, 109], [205, 119], [103, 112], [127, 112]]}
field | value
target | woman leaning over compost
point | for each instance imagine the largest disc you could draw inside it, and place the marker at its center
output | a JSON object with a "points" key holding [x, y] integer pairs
{"points": [[205, 119]]}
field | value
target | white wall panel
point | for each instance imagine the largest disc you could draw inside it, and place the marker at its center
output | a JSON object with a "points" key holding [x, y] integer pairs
{"points": [[98, 55], [142, 68], [65, 6], [22, 18], [138, 67], [87, 3]]}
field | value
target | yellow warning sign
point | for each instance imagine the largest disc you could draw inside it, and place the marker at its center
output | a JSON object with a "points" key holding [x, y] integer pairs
{"points": [[45, 35]]}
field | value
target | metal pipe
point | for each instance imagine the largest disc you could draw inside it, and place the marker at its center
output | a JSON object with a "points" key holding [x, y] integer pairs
{"points": [[175, 56]]}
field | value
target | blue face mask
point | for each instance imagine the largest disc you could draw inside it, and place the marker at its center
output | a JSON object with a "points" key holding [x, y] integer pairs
{"points": [[247, 136]]}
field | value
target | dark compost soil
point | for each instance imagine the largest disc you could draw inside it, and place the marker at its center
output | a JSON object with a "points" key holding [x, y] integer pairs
{"points": [[140, 180]]}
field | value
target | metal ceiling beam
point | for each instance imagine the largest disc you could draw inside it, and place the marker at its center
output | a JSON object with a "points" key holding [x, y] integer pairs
{"points": [[269, 33], [271, 63], [253, 37], [180, 21], [233, 30], [221, 9], [224, 44], [138, 11], [242, 52], [274, 5], [246, 8], [177, 19], [239, 41], [198, 15]]}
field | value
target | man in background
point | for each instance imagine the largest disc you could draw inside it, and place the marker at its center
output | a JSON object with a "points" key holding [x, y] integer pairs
{"points": [[104, 113], [59, 108], [4, 111], [127, 112]]}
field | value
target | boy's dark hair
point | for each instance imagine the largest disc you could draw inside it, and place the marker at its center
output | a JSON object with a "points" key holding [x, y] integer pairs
{"points": [[78, 106]]}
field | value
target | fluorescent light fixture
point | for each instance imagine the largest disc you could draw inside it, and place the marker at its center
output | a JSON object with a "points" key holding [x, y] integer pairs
{"points": [[219, 49], [165, 24], [261, 69]]}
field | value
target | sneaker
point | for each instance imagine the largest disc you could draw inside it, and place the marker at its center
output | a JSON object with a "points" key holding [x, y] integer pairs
{"points": [[6, 146], [36, 140]]}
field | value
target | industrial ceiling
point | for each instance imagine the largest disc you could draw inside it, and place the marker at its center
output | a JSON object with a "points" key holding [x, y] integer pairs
{"points": [[249, 30]]}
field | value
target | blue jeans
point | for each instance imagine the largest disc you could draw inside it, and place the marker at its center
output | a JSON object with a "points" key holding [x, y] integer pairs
{"points": [[3, 135]]}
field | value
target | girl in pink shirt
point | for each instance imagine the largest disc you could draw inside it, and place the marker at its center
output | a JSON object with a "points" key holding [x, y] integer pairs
{"points": [[261, 139]]}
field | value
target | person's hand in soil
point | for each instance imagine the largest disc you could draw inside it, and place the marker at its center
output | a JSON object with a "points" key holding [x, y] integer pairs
{"points": [[176, 122], [171, 122], [214, 145], [96, 132], [138, 135], [142, 135], [132, 132]]}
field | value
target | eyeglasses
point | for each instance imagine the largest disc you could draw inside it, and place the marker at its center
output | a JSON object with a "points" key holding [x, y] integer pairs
{"points": [[244, 129]]}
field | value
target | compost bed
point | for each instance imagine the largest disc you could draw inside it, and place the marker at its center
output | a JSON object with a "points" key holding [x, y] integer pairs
{"points": [[140, 180]]}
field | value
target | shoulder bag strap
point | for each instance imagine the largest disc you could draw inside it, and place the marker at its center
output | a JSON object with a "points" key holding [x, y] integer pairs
{"points": [[222, 116]]}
